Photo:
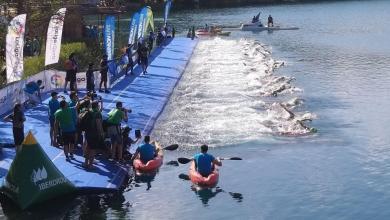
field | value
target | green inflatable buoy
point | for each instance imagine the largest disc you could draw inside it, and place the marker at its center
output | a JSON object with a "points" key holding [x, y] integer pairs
{"points": [[33, 178]]}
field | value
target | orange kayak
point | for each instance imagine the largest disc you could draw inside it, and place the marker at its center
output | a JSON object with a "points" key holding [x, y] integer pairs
{"points": [[210, 181], [151, 165]]}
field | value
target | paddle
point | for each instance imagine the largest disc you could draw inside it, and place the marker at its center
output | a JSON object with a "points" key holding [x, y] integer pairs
{"points": [[171, 147], [184, 176], [184, 160]]}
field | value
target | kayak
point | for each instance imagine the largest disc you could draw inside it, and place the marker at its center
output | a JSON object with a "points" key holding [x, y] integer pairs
{"points": [[209, 181], [151, 165]]}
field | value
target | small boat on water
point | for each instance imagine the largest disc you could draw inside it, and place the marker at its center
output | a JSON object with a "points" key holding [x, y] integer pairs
{"points": [[258, 26], [211, 31], [196, 178], [152, 165]]}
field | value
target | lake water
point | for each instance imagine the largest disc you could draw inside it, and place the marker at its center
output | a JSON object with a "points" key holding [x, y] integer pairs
{"points": [[334, 71]]}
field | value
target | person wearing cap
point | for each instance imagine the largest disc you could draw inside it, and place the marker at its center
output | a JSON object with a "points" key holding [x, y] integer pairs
{"points": [[145, 152], [115, 117], [54, 105], [205, 162]]}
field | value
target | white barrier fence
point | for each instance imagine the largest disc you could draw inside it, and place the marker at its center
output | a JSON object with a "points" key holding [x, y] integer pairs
{"points": [[51, 80]]}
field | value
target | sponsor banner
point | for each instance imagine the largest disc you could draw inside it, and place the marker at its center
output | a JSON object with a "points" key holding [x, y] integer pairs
{"points": [[54, 36], [133, 28], [150, 20], [168, 5], [145, 21], [4, 101], [109, 36], [141, 22], [14, 48], [16, 94]]}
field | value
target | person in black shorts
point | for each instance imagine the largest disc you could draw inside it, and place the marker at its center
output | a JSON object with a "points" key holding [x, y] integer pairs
{"points": [[103, 74], [90, 78], [130, 64], [144, 59], [17, 119], [71, 70]]}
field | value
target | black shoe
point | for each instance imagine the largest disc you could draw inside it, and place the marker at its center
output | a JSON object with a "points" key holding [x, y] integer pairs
{"points": [[67, 158], [72, 156], [101, 90], [65, 92], [107, 91]]}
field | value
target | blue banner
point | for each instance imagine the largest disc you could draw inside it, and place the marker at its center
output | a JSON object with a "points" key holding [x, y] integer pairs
{"points": [[109, 36], [133, 28], [168, 5], [142, 22]]}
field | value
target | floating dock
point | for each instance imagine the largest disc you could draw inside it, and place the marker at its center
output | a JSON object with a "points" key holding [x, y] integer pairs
{"points": [[146, 95]]}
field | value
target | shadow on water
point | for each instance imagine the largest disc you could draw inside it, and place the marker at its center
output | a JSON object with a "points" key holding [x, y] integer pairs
{"points": [[91, 206], [205, 194]]}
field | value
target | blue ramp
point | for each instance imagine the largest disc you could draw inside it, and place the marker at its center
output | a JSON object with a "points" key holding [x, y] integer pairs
{"points": [[146, 95]]}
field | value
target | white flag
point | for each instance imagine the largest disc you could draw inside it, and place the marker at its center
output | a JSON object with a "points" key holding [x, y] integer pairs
{"points": [[54, 36], [14, 48]]}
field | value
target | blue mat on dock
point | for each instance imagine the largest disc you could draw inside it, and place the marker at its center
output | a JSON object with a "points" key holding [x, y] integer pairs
{"points": [[146, 95]]}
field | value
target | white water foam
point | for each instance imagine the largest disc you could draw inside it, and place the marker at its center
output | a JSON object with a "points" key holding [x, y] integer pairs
{"points": [[224, 97]]}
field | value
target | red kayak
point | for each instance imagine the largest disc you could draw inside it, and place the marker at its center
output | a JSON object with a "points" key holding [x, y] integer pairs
{"points": [[209, 181], [151, 165]]}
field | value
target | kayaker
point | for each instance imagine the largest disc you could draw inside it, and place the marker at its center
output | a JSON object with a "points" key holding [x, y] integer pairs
{"points": [[205, 162], [270, 21], [146, 151]]}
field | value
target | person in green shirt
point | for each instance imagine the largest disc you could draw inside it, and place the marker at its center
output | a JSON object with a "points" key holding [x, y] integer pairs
{"points": [[65, 119], [115, 117]]}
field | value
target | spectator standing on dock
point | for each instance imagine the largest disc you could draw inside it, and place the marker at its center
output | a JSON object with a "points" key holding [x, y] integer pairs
{"points": [[103, 74], [144, 59], [173, 32], [150, 42], [54, 105], [17, 119], [139, 47], [130, 64], [33, 92], [93, 134], [71, 68], [127, 141], [65, 119], [115, 117], [90, 78]]}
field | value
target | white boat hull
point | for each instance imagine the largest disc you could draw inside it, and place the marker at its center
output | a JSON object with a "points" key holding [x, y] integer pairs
{"points": [[260, 27]]}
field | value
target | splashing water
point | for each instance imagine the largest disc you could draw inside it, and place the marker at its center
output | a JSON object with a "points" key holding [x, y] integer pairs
{"points": [[224, 97]]}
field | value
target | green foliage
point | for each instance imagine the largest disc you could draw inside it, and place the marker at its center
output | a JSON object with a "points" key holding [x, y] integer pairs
{"points": [[33, 65], [84, 55]]}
